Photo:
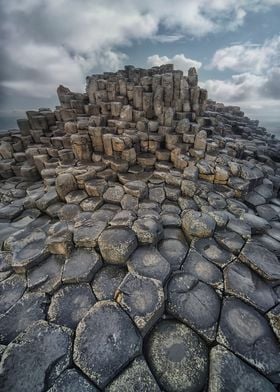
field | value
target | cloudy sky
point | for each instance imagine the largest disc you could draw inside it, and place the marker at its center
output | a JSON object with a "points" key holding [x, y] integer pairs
{"points": [[234, 44]]}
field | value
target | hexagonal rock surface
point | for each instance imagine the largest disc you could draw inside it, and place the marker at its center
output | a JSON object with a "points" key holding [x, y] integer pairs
{"points": [[245, 332], [229, 240], [143, 300], [35, 358], [202, 269], [114, 194], [106, 341], [174, 251], [87, 234], [228, 373], [107, 280], [81, 266], [195, 303], [31, 307], [116, 244], [209, 248], [178, 357], [244, 283], [11, 290], [70, 304], [274, 320], [147, 261], [261, 260], [148, 230], [72, 381], [198, 224], [137, 377], [29, 251], [46, 277], [136, 188]]}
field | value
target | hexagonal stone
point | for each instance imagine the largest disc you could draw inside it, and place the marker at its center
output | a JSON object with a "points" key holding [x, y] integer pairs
{"points": [[203, 269], [35, 358], [227, 371], [174, 251], [261, 260], [11, 290], [240, 227], [157, 194], [178, 357], [170, 219], [68, 212], [266, 211], [107, 280], [72, 381], [136, 188], [117, 244], [123, 218], [70, 304], [76, 197], [106, 341], [46, 278], [195, 303], [229, 240], [244, 283], [274, 320], [147, 261], [86, 235], [268, 242], [236, 207], [258, 224], [81, 266], [148, 230], [137, 377], [59, 239], [143, 299], [114, 194], [245, 332], [29, 251], [209, 249], [91, 204], [198, 224], [10, 211], [29, 308]]}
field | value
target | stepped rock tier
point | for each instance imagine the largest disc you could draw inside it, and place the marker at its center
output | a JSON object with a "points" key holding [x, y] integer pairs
{"points": [[140, 242]]}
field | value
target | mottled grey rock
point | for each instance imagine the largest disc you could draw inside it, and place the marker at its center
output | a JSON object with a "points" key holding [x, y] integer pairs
{"points": [[81, 266], [136, 188], [202, 269], [65, 183], [240, 227], [59, 239], [28, 309], [11, 290], [157, 194], [261, 260], [148, 230], [72, 381], [178, 357], [258, 224], [46, 200], [106, 341], [245, 284], [195, 303], [245, 332], [10, 212], [116, 244], [216, 201], [254, 199], [229, 240], [35, 358], [236, 207], [137, 377], [46, 278], [114, 194], [228, 373], [174, 251], [70, 304], [147, 261], [274, 320], [143, 299], [87, 231], [209, 248], [124, 218], [170, 219], [107, 280], [198, 224], [91, 204], [267, 212]]}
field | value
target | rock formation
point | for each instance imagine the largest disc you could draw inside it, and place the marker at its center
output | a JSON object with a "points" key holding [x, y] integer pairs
{"points": [[140, 242]]}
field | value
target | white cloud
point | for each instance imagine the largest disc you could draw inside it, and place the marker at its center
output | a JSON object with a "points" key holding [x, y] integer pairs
{"points": [[179, 60], [248, 57]]}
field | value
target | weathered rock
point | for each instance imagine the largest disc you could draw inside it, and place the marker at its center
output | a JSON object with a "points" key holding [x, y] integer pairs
{"points": [[137, 377], [64, 184], [198, 224], [148, 230], [59, 239], [136, 188], [11, 290], [70, 304], [87, 231], [143, 299], [35, 358], [227, 371], [72, 381], [107, 280], [174, 251], [117, 244], [124, 218], [261, 260], [28, 309], [245, 332], [114, 194], [81, 266], [274, 320], [195, 303], [258, 224], [147, 261], [91, 204], [209, 248], [178, 357], [75, 197], [245, 284], [229, 240], [106, 341]]}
